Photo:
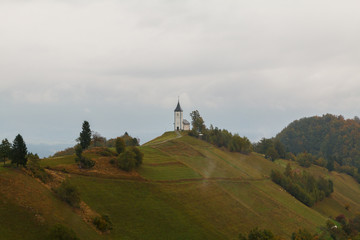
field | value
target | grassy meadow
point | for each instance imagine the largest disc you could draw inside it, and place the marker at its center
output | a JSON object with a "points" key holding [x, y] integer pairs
{"points": [[185, 189]]}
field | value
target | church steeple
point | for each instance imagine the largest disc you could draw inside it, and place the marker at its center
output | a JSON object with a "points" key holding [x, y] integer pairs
{"points": [[178, 118], [178, 108]]}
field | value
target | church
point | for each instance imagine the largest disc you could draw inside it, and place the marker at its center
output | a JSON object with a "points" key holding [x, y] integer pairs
{"points": [[180, 124]]}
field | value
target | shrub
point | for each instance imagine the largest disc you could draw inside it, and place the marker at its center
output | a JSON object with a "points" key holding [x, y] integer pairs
{"points": [[112, 161], [347, 206], [304, 159], [60, 232], [68, 193], [103, 223], [258, 234], [42, 175], [138, 156], [37, 171], [86, 163], [120, 145], [272, 154], [341, 219], [302, 234], [290, 156], [127, 160], [78, 151], [105, 152]]}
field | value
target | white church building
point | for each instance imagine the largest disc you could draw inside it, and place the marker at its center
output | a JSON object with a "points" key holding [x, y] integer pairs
{"points": [[180, 124]]}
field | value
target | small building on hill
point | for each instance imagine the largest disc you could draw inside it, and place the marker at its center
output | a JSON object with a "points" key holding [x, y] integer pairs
{"points": [[180, 124], [186, 125]]}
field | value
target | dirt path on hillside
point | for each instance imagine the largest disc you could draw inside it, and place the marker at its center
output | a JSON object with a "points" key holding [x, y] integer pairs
{"points": [[213, 179]]}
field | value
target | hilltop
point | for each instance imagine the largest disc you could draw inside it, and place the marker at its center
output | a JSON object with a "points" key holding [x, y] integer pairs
{"points": [[328, 136], [185, 189]]}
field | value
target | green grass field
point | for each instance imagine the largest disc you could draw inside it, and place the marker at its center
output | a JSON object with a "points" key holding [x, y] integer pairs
{"points": [[32, 208], [185, 189], [56, 161]]}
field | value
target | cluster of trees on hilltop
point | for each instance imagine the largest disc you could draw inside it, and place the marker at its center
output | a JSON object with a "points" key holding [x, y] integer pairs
{"points": [[16, 152], [99, 141], [218, 137], [329, 136], [303, 186], [128, 155]]}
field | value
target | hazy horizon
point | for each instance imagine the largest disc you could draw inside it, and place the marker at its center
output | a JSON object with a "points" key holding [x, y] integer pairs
{"points": [[251, 67]]}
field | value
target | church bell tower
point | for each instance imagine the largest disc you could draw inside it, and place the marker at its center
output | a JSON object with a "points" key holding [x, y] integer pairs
{"points": [[178, 118]]}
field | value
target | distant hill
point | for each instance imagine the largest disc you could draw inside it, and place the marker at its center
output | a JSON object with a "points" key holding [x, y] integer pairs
{"points": [[185, 189], [46, 150], [329, 136]]}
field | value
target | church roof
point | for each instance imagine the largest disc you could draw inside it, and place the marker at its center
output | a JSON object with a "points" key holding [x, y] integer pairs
{"points": [[178, 108], [186, 122]]}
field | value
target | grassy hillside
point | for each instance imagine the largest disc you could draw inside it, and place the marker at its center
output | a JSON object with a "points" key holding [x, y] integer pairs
{"points": [[185, 189]]}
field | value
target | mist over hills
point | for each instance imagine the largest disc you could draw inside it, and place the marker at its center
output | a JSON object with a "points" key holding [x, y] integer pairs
{"points": [[46, 150]]}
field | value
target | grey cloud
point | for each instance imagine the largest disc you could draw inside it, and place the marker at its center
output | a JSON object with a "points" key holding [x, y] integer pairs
{"points": [[250, 66]]}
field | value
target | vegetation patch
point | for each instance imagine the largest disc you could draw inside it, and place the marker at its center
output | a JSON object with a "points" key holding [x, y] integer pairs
{"points": [[130, 159], [60, 232], [103, 223], [303, 186], [68, 193]]}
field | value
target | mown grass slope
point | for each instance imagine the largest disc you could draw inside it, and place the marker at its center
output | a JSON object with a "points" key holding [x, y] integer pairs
{"points": [[28, 209], [185, 189]]}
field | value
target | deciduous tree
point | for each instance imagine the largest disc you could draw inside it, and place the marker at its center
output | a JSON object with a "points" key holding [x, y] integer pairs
{"points": [[120, 145], [127, 160], [197, 122]]}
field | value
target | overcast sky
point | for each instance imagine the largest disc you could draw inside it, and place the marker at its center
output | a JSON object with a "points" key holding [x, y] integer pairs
{"points": [[251, 67]]}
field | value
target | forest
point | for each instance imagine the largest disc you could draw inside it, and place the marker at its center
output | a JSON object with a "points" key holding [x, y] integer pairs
{"points": [[331, 137]]}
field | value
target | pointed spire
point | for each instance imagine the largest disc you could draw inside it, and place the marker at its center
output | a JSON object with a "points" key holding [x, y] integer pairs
{"points": [[178, 108]]}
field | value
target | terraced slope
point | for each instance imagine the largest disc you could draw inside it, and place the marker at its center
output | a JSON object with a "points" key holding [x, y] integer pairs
{"points": [[185, 189]]}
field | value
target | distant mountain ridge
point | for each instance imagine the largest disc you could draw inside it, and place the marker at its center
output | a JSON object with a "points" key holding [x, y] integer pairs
{"points": [[328, 136]]}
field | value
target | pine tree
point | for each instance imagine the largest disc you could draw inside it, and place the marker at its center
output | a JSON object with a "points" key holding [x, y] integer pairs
{"points": [[85, 135], [19, 151], [5, 149]]}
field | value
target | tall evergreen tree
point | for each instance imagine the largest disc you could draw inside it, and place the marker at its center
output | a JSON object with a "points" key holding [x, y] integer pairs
{"points": [[5, 149], [85, 135], [19, 151]]}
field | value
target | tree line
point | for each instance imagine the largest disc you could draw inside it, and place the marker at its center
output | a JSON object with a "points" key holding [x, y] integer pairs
{"points": [[218, 137], [302, 185], [16, 152]]}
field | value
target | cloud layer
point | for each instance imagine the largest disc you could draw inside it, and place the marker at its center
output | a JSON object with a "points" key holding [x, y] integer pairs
{"points": [[249, 66]]}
